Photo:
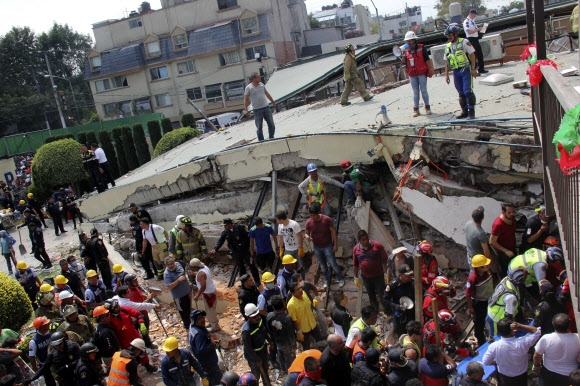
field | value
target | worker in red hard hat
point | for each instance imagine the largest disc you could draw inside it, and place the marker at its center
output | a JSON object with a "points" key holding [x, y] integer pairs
{"points": [[430, 267]]}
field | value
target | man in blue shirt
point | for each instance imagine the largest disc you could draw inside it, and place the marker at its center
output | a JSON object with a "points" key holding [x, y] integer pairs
{"points": [[176, 281], [260, 244], [435, 367], [202, 346], [176, 367]]}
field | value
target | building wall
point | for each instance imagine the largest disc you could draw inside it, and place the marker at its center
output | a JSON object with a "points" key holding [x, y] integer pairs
{"points": [[323, 35]]}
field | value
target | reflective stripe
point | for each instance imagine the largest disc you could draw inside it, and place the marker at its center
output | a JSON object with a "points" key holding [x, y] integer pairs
{"points": [[457, 59], [257, 328], [120, 372], [316, 195]]}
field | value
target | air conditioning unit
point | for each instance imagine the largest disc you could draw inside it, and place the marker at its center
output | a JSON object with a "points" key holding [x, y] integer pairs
{"points": [[437, 53], [492, 47]]}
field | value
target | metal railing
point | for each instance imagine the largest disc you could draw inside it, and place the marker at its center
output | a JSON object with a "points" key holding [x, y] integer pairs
{"points": [[551, 100]]}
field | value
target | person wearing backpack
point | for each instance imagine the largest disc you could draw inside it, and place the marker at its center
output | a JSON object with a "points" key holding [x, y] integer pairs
{"points": [[362, 181]]}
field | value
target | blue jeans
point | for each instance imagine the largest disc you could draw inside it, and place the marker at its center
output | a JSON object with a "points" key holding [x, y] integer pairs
{"points": [[351, 193], [462, 80], [286, 355], [291, 379], [327, 254], [419, 82], [259, 116], [300, 260]]}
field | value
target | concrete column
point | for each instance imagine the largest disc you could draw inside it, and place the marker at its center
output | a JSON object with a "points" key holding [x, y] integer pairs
{"points": [[274, 189]]}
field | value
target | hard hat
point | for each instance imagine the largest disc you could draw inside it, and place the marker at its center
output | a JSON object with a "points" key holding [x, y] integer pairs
{"points": [[117, 268], [311, 167], [111, 304], [248, 379], [446, 317], [22, 265], [30, 195], [21, 202], [40, 321], [69, 310], [518, 275], [130, 278], [480, 261], [178, 221], [230, 379], [138, 343], [268, 277], [552, 241], [441, 284], [57, 338], [100, 310], [288, 259], [345, 165], [425, 247], [185, 221], [91, 273], [170, 344], [44, 298], [554, 254], [251, 310], [46, 287], [451, 29], [87, 349], [60, 279], [195, 262], [349, 47], [54, 324], [410, 35], [62, 295]]}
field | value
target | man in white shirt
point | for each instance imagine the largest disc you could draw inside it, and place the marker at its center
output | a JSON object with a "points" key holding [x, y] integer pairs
{"points": [[124, 301], [472, 32], [104, 166], [257, 94], [510, 354], [289, 237], [206, 289], [559, 351], [154, 245]]}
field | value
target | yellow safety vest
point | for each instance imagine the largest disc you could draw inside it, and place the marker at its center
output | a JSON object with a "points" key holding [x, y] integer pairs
{"points": [[527, 260], [361, 326], [316, 194], [256, 330], [458, 59], [496, 309]]}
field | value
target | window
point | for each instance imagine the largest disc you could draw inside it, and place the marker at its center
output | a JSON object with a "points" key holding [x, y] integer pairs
{"points": [[213, 93], [224, 4], [102, 85], [159, 73], [153, 49], [162, 100], [194, 93], [135, 23], [180, 41], [250, 26], [231, 57], [119, 81], [186, 67], [234, 90], [413, 23], [142, 106], [116, 108], [96, 63], [251, 52]]}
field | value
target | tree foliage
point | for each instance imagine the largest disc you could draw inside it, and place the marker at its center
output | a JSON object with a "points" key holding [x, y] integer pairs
{"points": [[15, 306], [82, 138], [442, 6], [174, 139], [92, 138], [166, 125], [187, 120], [519, 5], [141, 144], [119, 148], [109, 149], [314, 23], [154, 132], [129, 146], [55, 138]]}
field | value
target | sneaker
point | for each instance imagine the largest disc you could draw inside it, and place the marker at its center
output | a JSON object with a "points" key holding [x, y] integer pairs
{"points": [[369, 98], [341, 283], [483, 72], [345, 104], [152, 369]]}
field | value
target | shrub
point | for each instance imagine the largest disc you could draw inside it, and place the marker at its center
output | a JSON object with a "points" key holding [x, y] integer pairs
{"points": [[15, 307], [154, 132], [174, 139], [82, 138], [187, 120], [41, 193], [141, 144], [117, 138], [109, 149], [92, 138], [23, 346], [167, 127], [58, 164], [129, 146], [55, 138]]}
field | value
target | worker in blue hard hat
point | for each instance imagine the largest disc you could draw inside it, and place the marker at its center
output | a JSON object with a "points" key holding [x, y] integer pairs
{"points": [[313, 188]]}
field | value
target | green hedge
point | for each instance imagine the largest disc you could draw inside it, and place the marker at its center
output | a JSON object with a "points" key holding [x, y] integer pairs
{"points": [[15, 307], [109, 149], [92, 138], [174, 139], [129, 146], [118, 141], [167, 127], [82, 138], [141, 144], [187, 120], [55, 138], [154, 129]]}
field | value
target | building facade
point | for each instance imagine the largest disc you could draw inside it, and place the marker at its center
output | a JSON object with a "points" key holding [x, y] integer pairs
{"points": [[201, 50]]}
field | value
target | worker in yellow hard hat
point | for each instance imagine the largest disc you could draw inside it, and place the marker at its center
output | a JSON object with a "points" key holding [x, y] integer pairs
{"points": [[118, 277], [285, 274], [173, 368], [29, 280]]}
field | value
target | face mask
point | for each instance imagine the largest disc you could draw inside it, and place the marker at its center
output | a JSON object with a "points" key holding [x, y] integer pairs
{"points": [[74, 263], [544, 222], [270, 286]]}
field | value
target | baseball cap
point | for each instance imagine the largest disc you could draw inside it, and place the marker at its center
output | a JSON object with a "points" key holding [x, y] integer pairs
{"points": [[227, 221], [546, 286], [396, 356], [405, 270], [479, 209], [132, 205], [473, 10]]}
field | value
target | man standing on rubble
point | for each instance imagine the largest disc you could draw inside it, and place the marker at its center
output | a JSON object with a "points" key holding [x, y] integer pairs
{"points": [[503, 236], [206, 289], [202, 346], [98, 251], [257, 94], [371, 258], [154, 244], [401, 286], [249, 293], [255, 339], [358, 188], [477, 241], [175, 279], [190, 243], [261, 245], [289, 238], [316, 192], [351, 78]]}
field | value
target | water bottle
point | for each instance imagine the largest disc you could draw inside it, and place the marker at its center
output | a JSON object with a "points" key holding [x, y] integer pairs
{"points": [[386, 119]]}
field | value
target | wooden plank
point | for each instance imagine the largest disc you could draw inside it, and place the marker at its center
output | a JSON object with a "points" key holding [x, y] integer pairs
{"points": [[364, 222], [418, 261], [435, 309], [391, 208]]}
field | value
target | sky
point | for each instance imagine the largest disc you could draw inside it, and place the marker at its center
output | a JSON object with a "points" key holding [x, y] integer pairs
{"points": [[39, 15]]}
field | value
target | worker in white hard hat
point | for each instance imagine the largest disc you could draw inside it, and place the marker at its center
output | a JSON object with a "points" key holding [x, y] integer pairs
{"points": [[125, 363], [255, 339], [419, 67], [173, 236]]}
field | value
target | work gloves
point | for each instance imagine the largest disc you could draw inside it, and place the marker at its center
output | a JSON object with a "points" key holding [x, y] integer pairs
{"points": [[358, 202], [143, 329]]}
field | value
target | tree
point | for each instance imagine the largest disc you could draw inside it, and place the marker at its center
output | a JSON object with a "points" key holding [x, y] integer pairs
{"points": [[141, 144], [314, 23], [374, 28], [92, 137], [117, 138], [154, 132], [519, 5], [109, 149], [174, 139], [82, 138], [187, 120], [129, 146], [166, 125], [15, 306], [443, 6]]}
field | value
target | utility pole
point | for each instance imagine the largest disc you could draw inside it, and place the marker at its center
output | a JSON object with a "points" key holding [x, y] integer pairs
{"points": [[378, 21], [54, 91]]}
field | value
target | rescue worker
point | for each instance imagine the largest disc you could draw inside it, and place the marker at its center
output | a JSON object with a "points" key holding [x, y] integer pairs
{"points": [[73, 209], [79, 324], [178, 364], [411, 340], [67, 298], [261, 236], [265, 306], [175, 279], [89, 371], [537, 229], [535, 262], [555, 260], [313, 188], [368, 372], [351, 78], [98, 251], [125, 364], [439, 290], [121, 323], [47, 305], [72, 279], [429, 267], [206, 289], [239, 244], [548, 307], [419, 67], [401, 286], [33, 202], [29, 280], [505, 300], [341, 318], [449, 334], [285, 274], [140, 212], [460, 57], [38, 348], [38, 246], [368, 319], [281, 329], [90, 262], [27, 219], [146, 259], [359, 351], [54, 212], [105, 338], [478, 289], [255, 339], [249, 293], [61, 360], [95, 294], [173, 235], [154, 245], [190, 243], [91, 166], [358, 189], [138, 296], [118, 279], [202, 346]]}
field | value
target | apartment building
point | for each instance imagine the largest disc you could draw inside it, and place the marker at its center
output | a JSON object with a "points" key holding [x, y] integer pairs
{"points": [[203, 50]]}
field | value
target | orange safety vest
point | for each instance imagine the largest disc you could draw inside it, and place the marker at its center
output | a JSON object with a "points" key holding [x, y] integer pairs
{"points": [[357, 348], [118, 376], [317, 194]]}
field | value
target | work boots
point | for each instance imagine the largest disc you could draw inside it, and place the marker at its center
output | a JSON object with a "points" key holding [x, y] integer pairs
{"points": [[463, 104], [463, 115], [470, 114], [416, 112], [427, 110]]}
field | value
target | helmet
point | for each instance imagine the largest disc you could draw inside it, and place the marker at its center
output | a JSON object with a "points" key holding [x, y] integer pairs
{"points": [[86, 349], [345, 165], [251, 310], [138, 343], [62, 295], [130, 278], [441, 284], [91, 273], [30, 195], [170, 344], [111, 304], [268, 277], [288, 259], [195, 313], [425, 247], [55, 324], [185, 221], [311, 168], [178, 221], [40, 321], [117, 268], [69, 310], [46, 287], [552, 241], [446, 317], [60, 279], [230, 379], [248, 379], [44, 298], [518, 275], [21, 265], [451, 29], [480, 261], [21, 202], [554, 254], [57, 338], [100, 310], [349, 47], [410, 35]]}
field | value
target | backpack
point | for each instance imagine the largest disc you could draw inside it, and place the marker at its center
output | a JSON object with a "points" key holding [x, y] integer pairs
{"points": [[368, 173]]}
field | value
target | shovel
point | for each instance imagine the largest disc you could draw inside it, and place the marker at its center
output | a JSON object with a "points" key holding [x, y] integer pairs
{"points": [[21, 247]]}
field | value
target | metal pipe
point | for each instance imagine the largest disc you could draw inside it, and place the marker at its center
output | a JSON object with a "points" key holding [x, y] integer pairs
{"points": [[54, 91], [274, 191], [455, 121]]}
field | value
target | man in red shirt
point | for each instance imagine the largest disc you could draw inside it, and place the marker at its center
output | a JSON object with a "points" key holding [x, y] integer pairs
{"points": [[503, 236], [478, 288], [321, 231], [371, 258]]}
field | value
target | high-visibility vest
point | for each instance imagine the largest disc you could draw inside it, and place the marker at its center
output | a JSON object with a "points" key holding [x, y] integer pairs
{"points": [[316, 194], [361, 326], [253, 332], [119, 376], [459, 58], [496, 308], [527, 260], [357, 348], [407, 344]]}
